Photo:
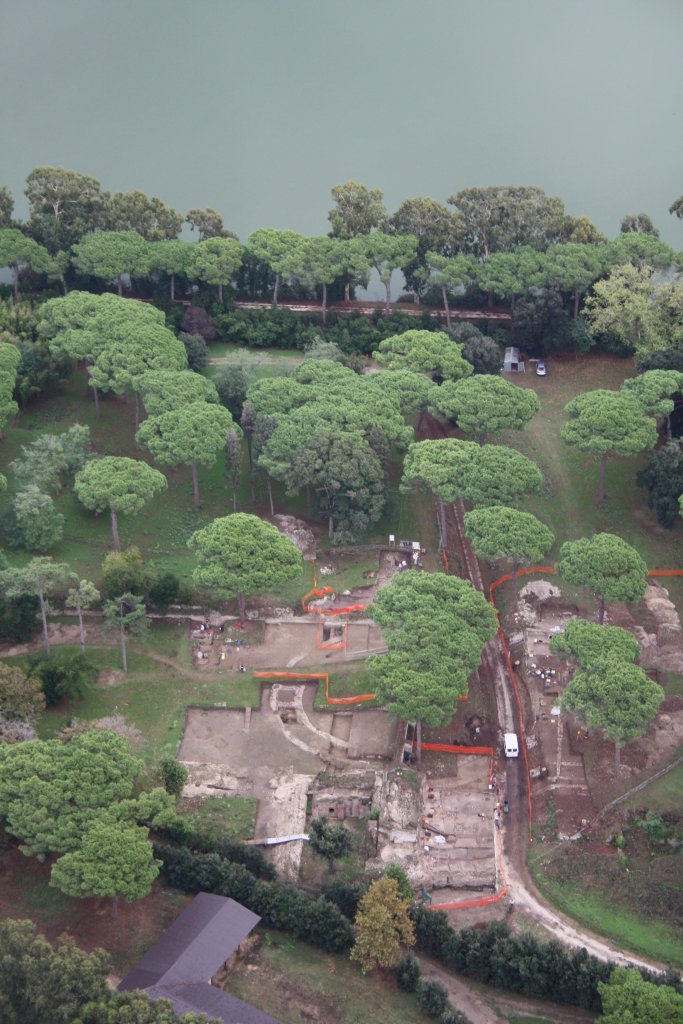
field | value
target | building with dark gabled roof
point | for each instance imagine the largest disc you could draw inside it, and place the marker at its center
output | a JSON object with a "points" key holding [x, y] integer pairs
{"points": [[181, 964]]}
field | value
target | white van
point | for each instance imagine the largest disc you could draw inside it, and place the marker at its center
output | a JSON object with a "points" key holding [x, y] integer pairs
{"points": [[511, 744]]}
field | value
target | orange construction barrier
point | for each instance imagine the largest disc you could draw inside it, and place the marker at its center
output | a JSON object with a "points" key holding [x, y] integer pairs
{"points": [[481, 901], [317, 591], [506, 651], [448, 748], [331, 645], [322, 592], [361, 698], [551, 571]]}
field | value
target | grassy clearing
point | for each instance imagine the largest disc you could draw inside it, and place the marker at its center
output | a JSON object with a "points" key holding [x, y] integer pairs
{"points": [[582, 900], [345, 680], [152, 697], [37, 895], [529, 1020], [673, 684], [299, 984], [568, 502], [172, 640], [225, 350], [315, 872], [162, 530], [231, 817], [662, 795]]}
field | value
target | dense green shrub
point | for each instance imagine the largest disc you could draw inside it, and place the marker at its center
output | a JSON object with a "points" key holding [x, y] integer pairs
{"points": [[432, 997], [540, 323], [63, 674], [407, 973], [666, 359], [197, 351], [173, 774], [194, 840], [39, 371], [329, 840], [18, 618], [520, 963], [279, 905], [662, 478], [346, 895], [405, 889], [19, 319], [231, 384], [127, 572], [356, 334], [478, 348], [164, 591]]}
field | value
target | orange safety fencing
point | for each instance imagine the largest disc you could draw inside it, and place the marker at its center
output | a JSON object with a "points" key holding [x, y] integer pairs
{"points": [[361, 698], [465, 904], [550, 571], [331, 645], [449, 748], [446, 747], [511, 672], [317, 591], [322, 592]]}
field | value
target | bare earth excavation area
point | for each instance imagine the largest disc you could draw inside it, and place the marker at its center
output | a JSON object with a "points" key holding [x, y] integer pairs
{"points": [[438, 825]]}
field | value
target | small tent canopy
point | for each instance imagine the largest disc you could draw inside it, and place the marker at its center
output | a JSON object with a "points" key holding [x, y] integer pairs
{"points": [[511, 363]]}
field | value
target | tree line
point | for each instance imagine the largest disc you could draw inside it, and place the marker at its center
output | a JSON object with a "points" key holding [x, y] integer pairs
{"points": [[508, 242]]}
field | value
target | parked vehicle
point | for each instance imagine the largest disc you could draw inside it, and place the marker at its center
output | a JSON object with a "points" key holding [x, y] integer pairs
{"points": [[511, 744], [541, 370]]}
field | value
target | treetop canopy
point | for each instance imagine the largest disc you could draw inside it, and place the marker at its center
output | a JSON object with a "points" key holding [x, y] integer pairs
{"points": [[590, 642], [485, 404], [243, 554], [430, 352], [51, 791], [609, 421], [118, 483]]}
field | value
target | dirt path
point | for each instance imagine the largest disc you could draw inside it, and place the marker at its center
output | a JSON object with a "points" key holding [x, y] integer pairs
{"points": [[69, 635], [461, 995], [483, 1005], [529, 901], [368, 308]]}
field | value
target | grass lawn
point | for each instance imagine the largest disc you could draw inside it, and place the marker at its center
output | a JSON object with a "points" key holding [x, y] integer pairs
{"points": [[529, 1020], [170, 639], [287, 358], [345, 680], [568, 502], [673, 684], [597, 910], [152, 697], [662, 795], [231, 817], [162, 530], [298, 984]]}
